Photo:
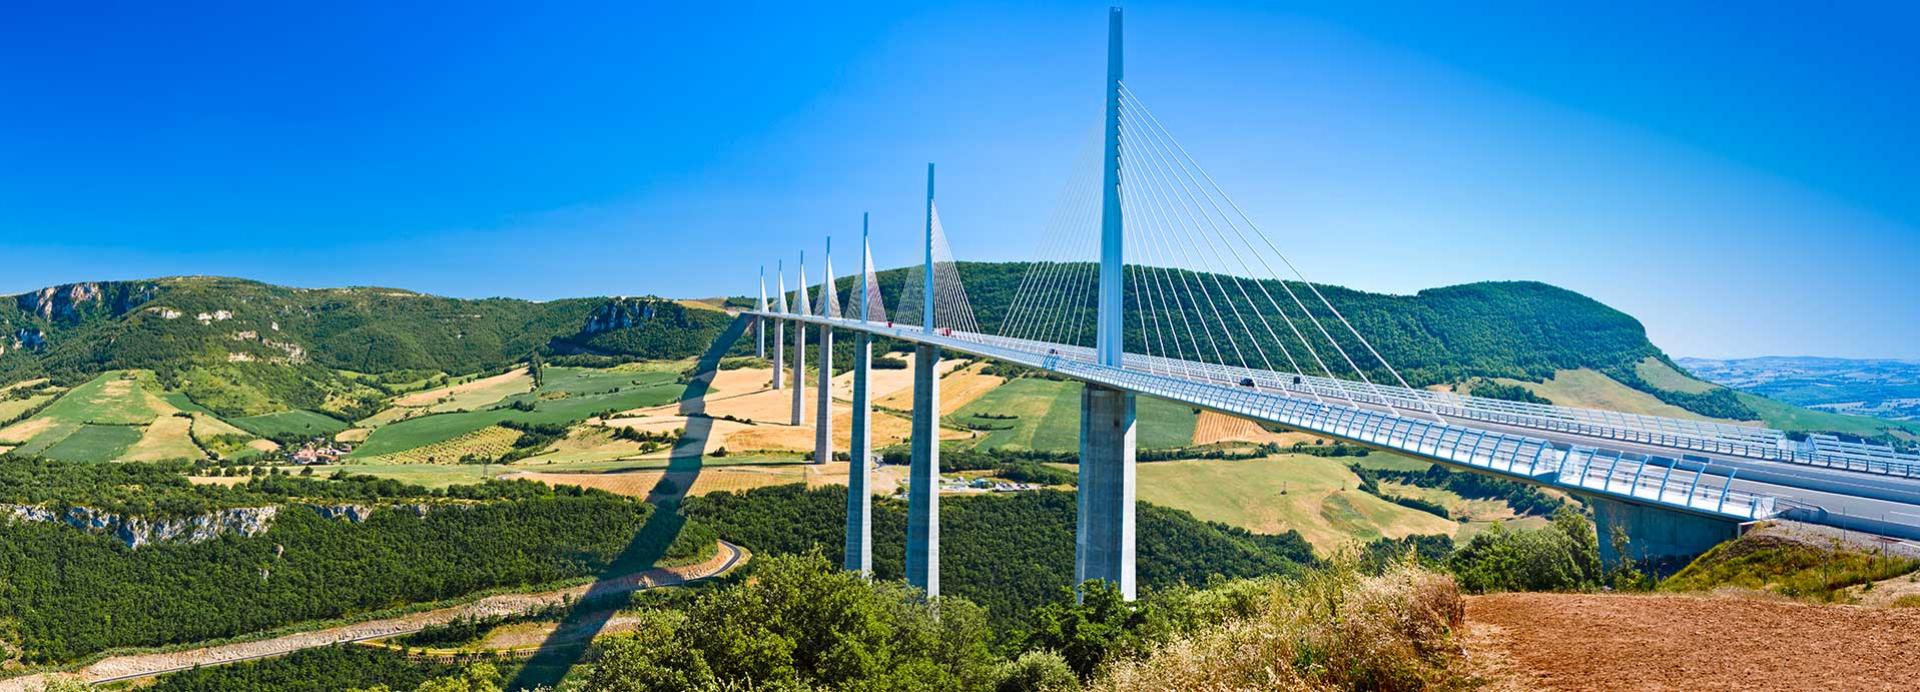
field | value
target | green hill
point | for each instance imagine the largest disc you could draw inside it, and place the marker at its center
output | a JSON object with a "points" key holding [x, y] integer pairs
{"points": [[244, 348]]}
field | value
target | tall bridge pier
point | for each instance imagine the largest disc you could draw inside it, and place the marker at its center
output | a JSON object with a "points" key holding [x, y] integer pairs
{"points": [[923, 473], [859, 547], [1103, 543], [800, 349], [823, 409]]}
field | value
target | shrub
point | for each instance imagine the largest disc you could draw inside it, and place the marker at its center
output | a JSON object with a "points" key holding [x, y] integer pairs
{"points": [[1333, 628]]}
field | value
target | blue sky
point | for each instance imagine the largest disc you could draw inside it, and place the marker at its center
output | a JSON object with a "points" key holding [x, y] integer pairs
{"points": [[1742, 181]]}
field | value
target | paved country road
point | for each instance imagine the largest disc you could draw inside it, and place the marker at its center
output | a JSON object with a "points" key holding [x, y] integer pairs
{"points": [[136, 666]]}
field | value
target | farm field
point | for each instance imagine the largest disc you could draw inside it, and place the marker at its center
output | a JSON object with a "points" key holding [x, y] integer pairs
{"points": [[1048, 417], [296, 422], [1317, 496], [119, 415], [569, 395], [471, 394], [1789, 417], [442, 475]]}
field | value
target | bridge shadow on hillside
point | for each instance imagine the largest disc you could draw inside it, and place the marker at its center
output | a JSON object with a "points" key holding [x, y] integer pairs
{"points": [[563, 649]]}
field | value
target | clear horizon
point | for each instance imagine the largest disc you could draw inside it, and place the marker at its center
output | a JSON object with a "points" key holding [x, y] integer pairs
{"points": [[1739, 183]]}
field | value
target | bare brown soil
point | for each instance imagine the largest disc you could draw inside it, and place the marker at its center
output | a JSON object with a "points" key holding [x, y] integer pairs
{"points": [[1644, 642]]}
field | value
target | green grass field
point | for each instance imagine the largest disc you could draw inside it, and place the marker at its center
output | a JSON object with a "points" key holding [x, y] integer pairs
{"points": [[1049, 417], [569, 395], [298, 422], [120, 397], [94, 443], [1317, 496], [1663, 376], [1586, 388]]}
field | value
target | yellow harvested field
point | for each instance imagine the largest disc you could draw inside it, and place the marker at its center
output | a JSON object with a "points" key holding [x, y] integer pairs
{"points": [[168, 437], [264, 445], [953, 394], [23, 384], [354, 435], [217, 480], [470, 395], [22, 431], [719, 431], [1213, 427], [391, 414], [639, 483], [886, 479]]}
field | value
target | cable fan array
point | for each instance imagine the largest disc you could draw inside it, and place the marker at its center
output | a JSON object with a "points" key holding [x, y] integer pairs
{"points": [[1205, 294], [952, 312]]}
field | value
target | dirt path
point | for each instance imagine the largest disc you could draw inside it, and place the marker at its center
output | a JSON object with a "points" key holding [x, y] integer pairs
{"points": [[135, 666], [1642, 642]]}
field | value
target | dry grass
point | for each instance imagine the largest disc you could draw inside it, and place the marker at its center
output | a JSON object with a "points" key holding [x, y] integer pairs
{"points": [[1213, 427], [466, 395], [1331, 629], [169, 437]]}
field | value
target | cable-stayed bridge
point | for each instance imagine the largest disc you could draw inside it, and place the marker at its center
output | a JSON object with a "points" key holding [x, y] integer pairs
{"points": [[1151, 280]]}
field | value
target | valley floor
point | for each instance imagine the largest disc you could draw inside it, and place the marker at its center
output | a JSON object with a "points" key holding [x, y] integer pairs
{"points": [[1545, 641], [146, 665]]}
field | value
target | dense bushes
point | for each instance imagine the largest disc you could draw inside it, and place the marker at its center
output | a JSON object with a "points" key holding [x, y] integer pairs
{"points": [[325, 669], [1523, 498], [65, 593], [1563, 557], [801, 623], [1008, 552]]}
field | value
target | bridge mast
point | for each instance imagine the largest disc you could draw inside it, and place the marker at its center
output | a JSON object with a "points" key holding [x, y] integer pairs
{"points": [[760, 324], [780, 327], [1104, 540], [923, 474]]}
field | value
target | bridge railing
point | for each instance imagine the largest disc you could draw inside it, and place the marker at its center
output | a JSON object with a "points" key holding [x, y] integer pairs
{"points": [[1623, 475], [1696, 436]]}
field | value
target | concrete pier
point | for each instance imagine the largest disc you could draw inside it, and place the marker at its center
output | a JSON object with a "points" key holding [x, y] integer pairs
{"points": [[1104, 541], [923, 476], [823, 409], [800, 373], [859, 549], [779, 353]]}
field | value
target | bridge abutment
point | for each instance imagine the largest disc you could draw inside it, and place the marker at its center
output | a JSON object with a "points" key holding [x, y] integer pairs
{"points": [[923, 476], [1655, 534], [1104, 541]]}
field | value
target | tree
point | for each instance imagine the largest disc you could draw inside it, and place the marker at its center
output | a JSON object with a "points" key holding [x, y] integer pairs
{"points": [[1102, 624]]}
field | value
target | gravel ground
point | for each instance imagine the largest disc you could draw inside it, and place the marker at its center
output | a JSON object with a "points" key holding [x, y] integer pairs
{"points": [[1643, 642], [143, 665]]}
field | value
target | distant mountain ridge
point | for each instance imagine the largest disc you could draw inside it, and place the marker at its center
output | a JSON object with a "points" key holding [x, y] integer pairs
{"points": [[226, 341], [1879, 387]]}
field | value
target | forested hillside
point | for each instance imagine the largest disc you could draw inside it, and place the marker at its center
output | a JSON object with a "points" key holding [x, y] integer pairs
{"points": [[244, 348]]}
